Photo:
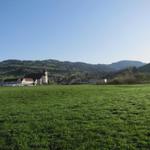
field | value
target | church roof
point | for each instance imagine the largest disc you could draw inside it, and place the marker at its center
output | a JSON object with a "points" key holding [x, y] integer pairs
{"points": [[34, 76]]}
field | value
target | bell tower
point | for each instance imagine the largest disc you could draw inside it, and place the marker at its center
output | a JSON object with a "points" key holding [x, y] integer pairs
{"points": [[46, 77]]}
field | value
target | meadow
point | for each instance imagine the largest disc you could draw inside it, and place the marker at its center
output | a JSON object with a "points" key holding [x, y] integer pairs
{"points": [[79, 117]]}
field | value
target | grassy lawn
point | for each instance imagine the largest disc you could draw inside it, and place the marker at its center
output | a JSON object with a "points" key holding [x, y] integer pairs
{"points": [[75, 117]]}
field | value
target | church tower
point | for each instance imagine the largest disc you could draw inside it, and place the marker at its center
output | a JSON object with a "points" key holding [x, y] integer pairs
{"points": [[45, 77]]}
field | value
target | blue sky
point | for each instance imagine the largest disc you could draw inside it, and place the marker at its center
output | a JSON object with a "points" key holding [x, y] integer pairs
{"points": [[93, 31]]}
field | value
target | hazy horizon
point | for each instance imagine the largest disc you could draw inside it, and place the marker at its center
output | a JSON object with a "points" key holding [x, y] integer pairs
{"points": [[96, 32], [72, 61]]}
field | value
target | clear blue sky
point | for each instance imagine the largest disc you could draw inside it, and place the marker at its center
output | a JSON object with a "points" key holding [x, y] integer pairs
{"points": [[94, 31]]}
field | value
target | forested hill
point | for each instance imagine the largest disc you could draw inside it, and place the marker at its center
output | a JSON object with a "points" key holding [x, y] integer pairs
{"points": [[20, 68], [120, 65], [145, 68], [62, 71]]}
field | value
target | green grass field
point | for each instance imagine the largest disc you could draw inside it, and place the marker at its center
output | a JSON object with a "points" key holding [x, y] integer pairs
{"points": [[75, 117]]}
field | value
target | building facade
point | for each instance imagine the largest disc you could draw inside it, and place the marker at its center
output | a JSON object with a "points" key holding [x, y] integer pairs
{"points": [[35, 79], [28, 80]]}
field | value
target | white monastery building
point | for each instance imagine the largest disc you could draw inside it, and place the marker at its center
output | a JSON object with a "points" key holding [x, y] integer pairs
{"points": [[28, 80], [35, 79]]}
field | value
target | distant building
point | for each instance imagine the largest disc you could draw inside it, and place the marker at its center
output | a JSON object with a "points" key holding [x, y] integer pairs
{"points": [[105, 81], [28, 80], [35, 79]]}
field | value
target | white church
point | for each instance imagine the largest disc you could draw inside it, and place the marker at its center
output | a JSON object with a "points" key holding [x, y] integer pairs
{"points": [[35, 79], [28, 80]]}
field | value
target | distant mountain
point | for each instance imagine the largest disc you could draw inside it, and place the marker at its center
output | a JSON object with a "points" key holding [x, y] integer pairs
{"points": [[63, 71], [19, 68], [126, 64]]}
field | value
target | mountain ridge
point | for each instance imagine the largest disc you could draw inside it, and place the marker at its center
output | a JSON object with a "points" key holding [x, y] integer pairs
{"points": [[65, 61], [60, 71], [123, 64]]}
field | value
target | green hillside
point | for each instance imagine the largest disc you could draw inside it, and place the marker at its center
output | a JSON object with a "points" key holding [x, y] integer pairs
{"points": [[129, 76], [145, 68], [19, 68], [64, 72]]}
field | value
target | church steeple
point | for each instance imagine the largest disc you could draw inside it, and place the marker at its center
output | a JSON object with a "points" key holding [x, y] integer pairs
{"points": [[46, 76]]}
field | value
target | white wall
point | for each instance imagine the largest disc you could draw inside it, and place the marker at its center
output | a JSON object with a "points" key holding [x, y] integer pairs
{"points": [[24, 82]]}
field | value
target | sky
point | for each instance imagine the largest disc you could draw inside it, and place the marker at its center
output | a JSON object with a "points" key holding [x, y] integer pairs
{"points": [[92, 31]]}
